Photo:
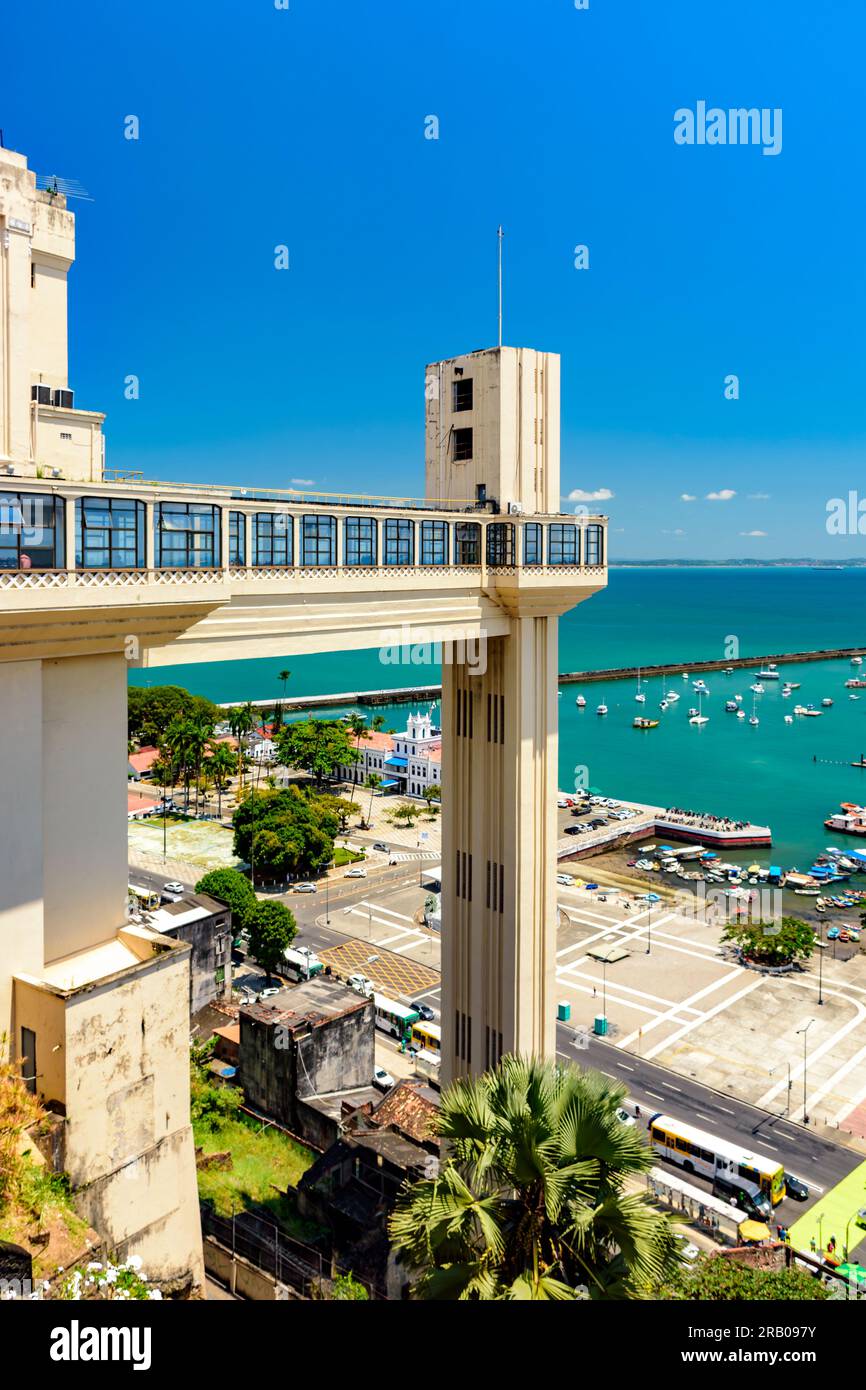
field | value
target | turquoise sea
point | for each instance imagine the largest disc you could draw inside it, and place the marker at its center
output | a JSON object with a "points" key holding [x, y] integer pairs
{"points": [[766, 774]]}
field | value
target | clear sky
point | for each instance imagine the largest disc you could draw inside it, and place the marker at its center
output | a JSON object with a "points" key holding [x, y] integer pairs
{"points": [[306, 127]]}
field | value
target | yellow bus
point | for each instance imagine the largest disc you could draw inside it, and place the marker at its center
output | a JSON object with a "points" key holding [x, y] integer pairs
{"points": [[427, 1036], [721, 1161], [143, 899]]}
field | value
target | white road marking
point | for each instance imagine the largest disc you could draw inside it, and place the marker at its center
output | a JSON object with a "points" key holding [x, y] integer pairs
{"points": [[711, 1013], [692, 999]]}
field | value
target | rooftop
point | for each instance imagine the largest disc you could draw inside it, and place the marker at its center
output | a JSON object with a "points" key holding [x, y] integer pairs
{"points": [[311, 1002]]}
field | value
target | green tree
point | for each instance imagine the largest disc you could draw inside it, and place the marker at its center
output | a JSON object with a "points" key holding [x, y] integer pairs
{"points": [[221, 766], [284, 677], [721, 1279], [287, 832], [233, 888], [150, 710], [531, 1200], [272, 928], [319, 746], [432, 793], [347, 1288], [405, 811], [772, 943]]}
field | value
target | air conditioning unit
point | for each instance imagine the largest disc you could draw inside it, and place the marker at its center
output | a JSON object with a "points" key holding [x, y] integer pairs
{"points": [[63, 398], [41, 394], [9, 470], [515, 509], [55, 472]]}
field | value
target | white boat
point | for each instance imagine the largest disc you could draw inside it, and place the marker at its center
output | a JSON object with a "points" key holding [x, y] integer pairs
{"points": [[856, 661], [685, 675], [739, 699], [757, 687], [602, 709], [741, 714], [700, 685], [663, 704], [639, 696], [698, 717], [754, 719], [580, 702], [789, 718], [768, 673], [853, 697], [826, 702], [672, 697]]}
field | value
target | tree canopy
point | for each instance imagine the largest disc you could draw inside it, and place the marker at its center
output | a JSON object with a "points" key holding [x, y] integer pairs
{"points": [[773, 943], [272, 927], [151, 709], [234, 889], [286, 833], [319, 746], [720, 1279], [531, 1201]]}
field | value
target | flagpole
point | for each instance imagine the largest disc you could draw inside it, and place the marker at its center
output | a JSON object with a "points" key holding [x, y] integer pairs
{"points": [[500, 235]]}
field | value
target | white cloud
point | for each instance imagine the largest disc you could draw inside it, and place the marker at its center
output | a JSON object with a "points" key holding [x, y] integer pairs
{"points": [[601, 494], [303, 482], [753, 533], [723, 495], [687, 497], [759, 496]]}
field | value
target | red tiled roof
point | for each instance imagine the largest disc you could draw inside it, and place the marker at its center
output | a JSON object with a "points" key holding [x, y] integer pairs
{"points": [[144, 759]]}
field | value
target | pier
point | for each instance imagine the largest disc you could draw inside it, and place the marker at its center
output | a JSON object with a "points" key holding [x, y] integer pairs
{"points": [[407, 693]]}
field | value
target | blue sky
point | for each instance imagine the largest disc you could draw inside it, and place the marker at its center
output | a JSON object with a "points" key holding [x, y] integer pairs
{"points": [[305, 127]]}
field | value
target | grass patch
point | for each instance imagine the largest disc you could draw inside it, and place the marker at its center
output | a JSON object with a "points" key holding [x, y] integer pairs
{"points": [[262, 1161], [346, 856]]}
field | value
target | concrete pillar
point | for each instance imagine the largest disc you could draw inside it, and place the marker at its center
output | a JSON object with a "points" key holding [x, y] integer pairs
{"points": [[499, 851], [225, 515], [83, 836], [21, 840]]}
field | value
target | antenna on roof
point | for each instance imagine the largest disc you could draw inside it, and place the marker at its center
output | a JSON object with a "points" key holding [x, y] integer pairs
{"points": [[500, 234], [70, 188]]}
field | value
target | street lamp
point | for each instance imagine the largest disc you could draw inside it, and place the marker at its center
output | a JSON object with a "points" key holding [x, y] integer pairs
{"points": [[821, 966], [327, 900], [805, 1031]]}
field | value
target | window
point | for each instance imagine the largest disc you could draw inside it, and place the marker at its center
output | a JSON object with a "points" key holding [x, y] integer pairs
{"points": [[237, 538], [318, 540], [31, 531], [467, 543], [28, 1059], [533, 553], [500, 543], [462, 444], [594, 554], [272, 539], [187, 535], [109, 533], [434, 542], [562, 545], [461, 394], [360, 541], [64, 434], [399, 542]]}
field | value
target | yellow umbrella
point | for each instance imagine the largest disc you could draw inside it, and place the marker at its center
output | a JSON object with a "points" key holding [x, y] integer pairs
{"points": [[753, 1231]]}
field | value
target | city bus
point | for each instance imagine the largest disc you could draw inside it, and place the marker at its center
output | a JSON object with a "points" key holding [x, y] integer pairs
{"points": [[395, 1019], [696, 1151], [300, 963], [427, 1064], [427, 1036], [143, 899]]}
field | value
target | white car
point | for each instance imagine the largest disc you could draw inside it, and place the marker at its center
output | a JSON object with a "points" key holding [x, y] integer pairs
{"points": [[173, 887], [355, 873], [689, 1252], [361, 985], [623, 1116], [305, 888], [382, 1079], [566, 880]]}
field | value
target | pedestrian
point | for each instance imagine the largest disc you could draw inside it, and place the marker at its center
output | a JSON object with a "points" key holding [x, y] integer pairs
{"points": [[813, 1246], [24, 561]]}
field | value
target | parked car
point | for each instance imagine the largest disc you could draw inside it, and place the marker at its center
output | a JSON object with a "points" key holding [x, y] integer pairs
{"points": [[566, 880], [423, 1010], [796, 1188], [173, 888], [356, 872], [382, 1079], [304, 888], [688, 1250], [361, 985], [573, 830]]}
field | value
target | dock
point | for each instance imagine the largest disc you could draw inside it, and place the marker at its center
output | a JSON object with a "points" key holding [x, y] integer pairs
{"points": [[362, 697]]}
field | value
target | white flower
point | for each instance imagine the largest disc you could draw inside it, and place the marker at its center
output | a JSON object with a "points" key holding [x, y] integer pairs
{"points": [[133, 1262]]}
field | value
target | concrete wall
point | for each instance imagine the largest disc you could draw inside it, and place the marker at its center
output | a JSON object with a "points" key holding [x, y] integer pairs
{"points": [[84, 831], [202, 937]]}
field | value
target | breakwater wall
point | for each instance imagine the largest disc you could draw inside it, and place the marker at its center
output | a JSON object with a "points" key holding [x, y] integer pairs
{"points": [[406, 693]]}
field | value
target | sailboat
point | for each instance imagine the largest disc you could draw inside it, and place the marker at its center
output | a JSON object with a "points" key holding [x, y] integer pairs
{"points": [[754, 719], [663, 702], [640, 697], [699, 718], [580, 702]]}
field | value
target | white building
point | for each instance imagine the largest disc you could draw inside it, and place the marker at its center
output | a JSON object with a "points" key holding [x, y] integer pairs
{"points": [[407, 762]]}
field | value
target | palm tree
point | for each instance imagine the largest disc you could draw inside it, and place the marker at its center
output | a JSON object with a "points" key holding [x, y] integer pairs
{"points": [[357, 726], [373, 781], [175, 747], [198, 731], [531, 1201], [220, 765], [284, 677]]}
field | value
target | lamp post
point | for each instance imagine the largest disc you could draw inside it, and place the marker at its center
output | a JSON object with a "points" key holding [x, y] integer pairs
{"points": [[821, 967], [327, 900], [805, 1031]]}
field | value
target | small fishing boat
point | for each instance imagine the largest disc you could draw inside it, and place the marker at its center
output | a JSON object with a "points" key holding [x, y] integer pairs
{"points": [[698, 717], [826, 702], [685, 675], [639, 723], [672, 697], [856, 661], [700, 686], [785, 693], [580, 702], [757, 688], [602, 709], [741, 714], [792, 685], [730, 706], [853, 697], [739, 699], [789, 718], [693, 711], [754, 719], [729, 670], [639, 695], [663, 704], [855, 685]]}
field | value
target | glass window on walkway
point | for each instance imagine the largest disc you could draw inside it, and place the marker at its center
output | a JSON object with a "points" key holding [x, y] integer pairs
{"points": [[399, 542], [272, 539], [31, 531], [359, 541], [109, 533], [187, 535], [318, 540], [467, 543], [237, 538], [594, 545], [562, 544], [434, 542], [533, 552], [500, 543]]}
